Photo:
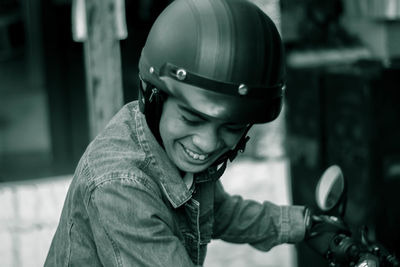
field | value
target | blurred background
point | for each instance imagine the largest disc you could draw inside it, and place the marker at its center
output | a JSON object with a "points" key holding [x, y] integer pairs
{"points": [[66, 66]]}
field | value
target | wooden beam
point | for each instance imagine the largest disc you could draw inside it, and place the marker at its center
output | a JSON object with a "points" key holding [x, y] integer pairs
{"points": [[104, 23]]}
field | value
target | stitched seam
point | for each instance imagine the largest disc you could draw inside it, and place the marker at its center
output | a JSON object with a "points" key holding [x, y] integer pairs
{"points": [[198, 230], [123, 177], [285, 225], [140, 134], [113, 244], [71, 224]]}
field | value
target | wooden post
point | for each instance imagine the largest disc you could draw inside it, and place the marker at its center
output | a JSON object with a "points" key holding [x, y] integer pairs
{"points": [[101, 24]]}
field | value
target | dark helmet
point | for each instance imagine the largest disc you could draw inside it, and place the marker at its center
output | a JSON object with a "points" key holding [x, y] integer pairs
{"points": [[224, 58]]}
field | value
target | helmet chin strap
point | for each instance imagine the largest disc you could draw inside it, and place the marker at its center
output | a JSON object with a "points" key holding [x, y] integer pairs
{"points": [[220, 164], [151, 101], [240, 147]]}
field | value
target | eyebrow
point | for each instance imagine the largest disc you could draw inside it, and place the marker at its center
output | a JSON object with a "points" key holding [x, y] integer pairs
{"points": [[193, 113]]}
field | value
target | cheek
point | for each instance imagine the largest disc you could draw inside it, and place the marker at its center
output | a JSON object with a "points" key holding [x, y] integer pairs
{"points": [[171, 130], [231, 140]]}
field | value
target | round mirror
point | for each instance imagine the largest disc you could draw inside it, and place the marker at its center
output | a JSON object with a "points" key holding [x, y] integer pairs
{"points": [[330, 188]]}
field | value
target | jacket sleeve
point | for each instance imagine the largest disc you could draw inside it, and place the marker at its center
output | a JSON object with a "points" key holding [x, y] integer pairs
{"points": [[262, 225], [133, 227]]}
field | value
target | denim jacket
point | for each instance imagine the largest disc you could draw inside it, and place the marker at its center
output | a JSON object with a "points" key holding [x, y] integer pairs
{"points": [[127, 205]]}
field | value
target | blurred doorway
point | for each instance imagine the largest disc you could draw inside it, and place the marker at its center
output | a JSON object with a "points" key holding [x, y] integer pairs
{"points": [[43, 124]]}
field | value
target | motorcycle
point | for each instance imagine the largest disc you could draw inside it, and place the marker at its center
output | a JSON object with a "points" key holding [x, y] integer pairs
{"points": [[341, 247]]}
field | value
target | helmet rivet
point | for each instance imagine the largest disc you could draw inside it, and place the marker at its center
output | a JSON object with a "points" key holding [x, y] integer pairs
{"points": [[151, 70], [243, 89], [181, 74]]}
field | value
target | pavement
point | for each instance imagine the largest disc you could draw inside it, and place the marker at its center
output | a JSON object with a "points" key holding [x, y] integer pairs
{"points": [[29, 216]]}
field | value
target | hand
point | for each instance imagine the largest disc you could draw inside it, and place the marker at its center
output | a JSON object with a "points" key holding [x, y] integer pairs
{"points": [[321, 229]]}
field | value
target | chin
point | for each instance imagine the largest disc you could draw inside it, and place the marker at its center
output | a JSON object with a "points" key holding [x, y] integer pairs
{"points": [[192, 168], [195, 169]]}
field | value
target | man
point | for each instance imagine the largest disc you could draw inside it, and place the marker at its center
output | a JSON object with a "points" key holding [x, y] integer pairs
{"points": [[146, 191]]}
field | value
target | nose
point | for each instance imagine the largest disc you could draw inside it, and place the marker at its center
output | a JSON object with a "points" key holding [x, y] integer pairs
{"points": [[207, 139]]}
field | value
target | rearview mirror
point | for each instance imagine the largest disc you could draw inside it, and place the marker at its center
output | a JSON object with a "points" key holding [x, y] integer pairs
{"points": [[330, 188]]}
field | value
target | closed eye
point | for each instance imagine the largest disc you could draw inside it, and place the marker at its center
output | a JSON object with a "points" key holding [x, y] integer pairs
{"points": [[190, 117], [191, 121], [193, 118], [235, 129]]}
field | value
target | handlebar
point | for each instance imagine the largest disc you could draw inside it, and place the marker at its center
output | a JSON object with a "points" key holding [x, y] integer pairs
{"points": [[345, 251], [330, 236]]}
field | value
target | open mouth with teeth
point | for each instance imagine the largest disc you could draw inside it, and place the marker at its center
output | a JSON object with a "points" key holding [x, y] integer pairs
{"points": [[194, 155]]}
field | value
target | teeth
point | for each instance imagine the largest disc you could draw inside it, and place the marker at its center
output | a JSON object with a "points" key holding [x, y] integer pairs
{"points": [[195, 155]]}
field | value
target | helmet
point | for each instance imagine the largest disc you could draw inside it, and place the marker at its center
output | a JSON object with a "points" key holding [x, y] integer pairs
{"points": [[223, 58]]}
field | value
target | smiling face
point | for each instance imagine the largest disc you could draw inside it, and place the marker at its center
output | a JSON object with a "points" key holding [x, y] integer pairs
{"points": [[192, 140]]}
